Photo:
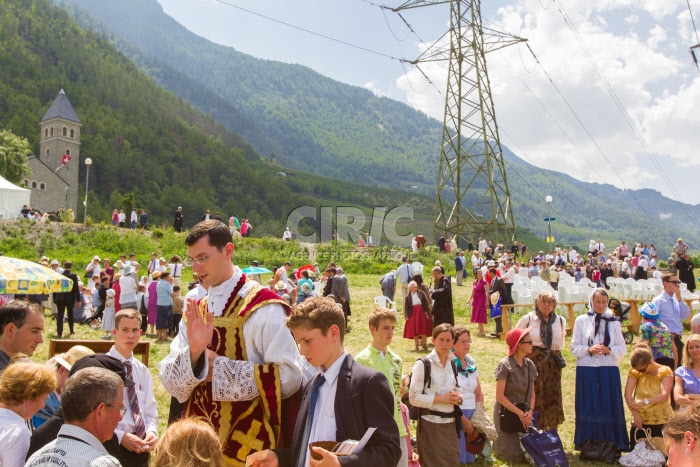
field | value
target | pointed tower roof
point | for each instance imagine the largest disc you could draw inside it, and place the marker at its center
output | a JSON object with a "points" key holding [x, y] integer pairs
{"points": [[61, 108]]}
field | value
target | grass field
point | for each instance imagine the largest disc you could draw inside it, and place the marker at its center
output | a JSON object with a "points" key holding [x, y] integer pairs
{"points": [[363, 289]]}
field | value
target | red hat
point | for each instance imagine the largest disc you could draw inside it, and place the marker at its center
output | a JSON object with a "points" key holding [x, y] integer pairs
{"points": [[513, 338]]}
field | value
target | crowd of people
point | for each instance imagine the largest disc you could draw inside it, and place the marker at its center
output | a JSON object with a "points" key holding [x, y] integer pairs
{"points": [[262, 368]]}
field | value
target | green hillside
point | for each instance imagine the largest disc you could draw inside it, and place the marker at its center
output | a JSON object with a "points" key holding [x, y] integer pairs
{"points": [[313, 122], [144, 141]]}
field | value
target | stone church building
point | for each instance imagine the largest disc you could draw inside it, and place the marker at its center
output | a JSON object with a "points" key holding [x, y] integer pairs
{"points": [[54, 179]]}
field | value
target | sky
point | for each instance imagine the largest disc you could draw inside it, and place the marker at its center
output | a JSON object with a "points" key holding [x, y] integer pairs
{"points": [[621, 106]]}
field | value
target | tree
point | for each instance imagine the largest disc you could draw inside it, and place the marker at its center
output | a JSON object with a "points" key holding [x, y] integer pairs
{"points": [[13, 157], [129, 201]]}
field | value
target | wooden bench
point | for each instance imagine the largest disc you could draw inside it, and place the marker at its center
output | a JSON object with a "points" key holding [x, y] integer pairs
{"points": [[58, 346]]}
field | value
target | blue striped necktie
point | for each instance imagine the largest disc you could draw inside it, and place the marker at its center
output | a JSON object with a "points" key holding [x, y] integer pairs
{"points": [[320, 379]]}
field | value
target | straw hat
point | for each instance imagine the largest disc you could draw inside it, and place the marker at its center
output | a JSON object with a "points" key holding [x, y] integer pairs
{"points": [[280, 285], [74, 354]]}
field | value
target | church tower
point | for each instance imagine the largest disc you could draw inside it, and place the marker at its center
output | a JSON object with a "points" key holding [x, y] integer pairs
{"points": [[59, 154]]}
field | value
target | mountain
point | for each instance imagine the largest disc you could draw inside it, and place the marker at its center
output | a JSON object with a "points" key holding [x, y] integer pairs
{"points": [[326, 127], [149, 147]]}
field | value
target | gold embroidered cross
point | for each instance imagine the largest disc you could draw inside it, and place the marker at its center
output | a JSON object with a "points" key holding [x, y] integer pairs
{"points": [[249, 441]]}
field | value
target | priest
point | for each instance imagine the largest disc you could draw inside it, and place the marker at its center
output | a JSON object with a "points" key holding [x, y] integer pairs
{"points": [[234, 362]]}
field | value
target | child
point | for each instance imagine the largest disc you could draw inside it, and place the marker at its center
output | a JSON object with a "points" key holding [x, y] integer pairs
{"points": [[377, 356], [137, 432], [177, 310], [191, 442], [342, 401], [108, 316]]}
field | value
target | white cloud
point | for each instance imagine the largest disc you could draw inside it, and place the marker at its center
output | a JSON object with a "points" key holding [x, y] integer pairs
{"points": [[372, 86], [632, 19], [656, 36], [650, 76]]}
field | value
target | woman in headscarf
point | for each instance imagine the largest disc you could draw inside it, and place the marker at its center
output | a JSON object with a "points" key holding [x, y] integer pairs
{"points": [[598, 345], [548, 333]]}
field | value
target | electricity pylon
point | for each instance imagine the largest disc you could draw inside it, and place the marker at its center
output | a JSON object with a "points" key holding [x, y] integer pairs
{"points": [[472, 196]]}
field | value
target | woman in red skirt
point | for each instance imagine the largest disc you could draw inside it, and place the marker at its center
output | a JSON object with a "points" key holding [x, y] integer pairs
{"points": [[416, 310]]}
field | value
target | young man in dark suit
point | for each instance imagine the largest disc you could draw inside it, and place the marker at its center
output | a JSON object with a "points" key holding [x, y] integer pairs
{"points": [[342, 401]]}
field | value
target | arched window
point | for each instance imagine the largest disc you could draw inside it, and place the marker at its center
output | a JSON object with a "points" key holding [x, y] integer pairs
{"points": [[33, 184], [72, 133], [42, 186], [67, 152], [48, 151], [65, 131], [46, 132], [26, 182], [51, 131]]}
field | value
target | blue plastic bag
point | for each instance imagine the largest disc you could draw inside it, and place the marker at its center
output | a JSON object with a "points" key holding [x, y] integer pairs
{"points": [[545, 448]]}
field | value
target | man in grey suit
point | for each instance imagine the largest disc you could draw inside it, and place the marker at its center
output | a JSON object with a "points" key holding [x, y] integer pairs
{"points": [[341, 293]]}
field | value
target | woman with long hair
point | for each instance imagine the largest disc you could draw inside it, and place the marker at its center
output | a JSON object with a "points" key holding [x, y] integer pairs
{"points": [[548, 333], [687, 389], [598, 345]]}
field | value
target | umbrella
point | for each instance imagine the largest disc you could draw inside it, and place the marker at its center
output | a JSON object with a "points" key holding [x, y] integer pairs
{"points": [[256, 270], [308, 267], [19, 276]]}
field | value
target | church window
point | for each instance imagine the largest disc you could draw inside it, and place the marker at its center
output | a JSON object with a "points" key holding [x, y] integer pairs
{"points": [[67, 152], [65, 131], [42, 186], [48, 151], [33, 184], [26, 182], [51, 131], [72, 133], [46, 132]]}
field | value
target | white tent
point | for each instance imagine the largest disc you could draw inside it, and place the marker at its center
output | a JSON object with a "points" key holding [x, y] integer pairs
{"points": [[12, 198]]}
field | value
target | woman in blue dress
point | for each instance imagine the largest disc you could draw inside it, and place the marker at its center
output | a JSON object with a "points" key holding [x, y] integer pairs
{"points": [[598, 345]]}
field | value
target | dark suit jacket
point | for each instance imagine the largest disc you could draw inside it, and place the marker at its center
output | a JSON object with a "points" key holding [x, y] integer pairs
{"points": [[47, 432], [362, 400], [69, 297]]}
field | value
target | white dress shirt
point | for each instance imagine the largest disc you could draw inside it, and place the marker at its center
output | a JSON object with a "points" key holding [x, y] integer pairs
{"points": [[266, 338], [144, 393], [324, 426], [134, 216], [509, 276], [14, 438], [442, 381]]}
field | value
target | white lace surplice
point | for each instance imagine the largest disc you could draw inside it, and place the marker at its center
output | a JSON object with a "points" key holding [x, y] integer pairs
{"points": [[266, 338]]}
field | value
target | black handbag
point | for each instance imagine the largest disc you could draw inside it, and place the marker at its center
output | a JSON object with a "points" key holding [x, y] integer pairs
{"points": [[509, 421], [598, 450]]}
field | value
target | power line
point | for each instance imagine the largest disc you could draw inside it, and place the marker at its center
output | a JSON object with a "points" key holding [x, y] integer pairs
{"points": [[308, 31], [693, 20], [622, 110], [612, 191]]}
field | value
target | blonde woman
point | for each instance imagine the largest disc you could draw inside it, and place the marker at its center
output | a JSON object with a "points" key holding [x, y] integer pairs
{"points": [[24, 387], [189, 442], [687, 389]]}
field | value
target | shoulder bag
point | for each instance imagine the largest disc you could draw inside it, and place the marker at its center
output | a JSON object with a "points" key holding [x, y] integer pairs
{"points": [[509, 422]]}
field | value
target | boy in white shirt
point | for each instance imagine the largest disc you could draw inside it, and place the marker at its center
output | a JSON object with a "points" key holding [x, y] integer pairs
{"points": [[137, 432]]}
